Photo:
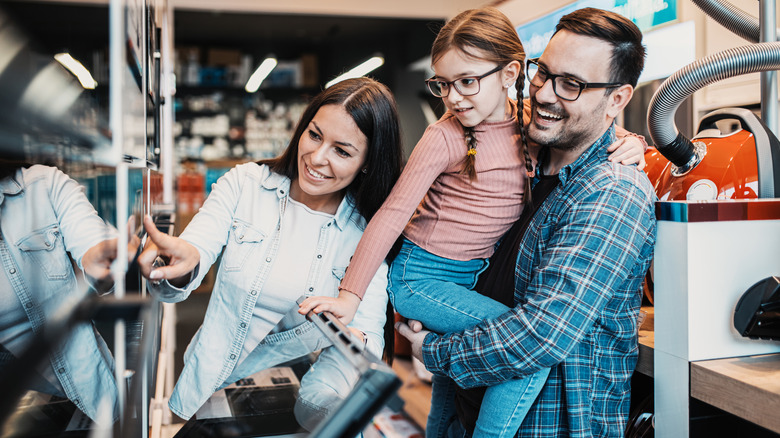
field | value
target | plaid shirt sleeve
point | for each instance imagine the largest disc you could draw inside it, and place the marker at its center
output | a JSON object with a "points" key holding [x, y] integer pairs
{"points": [[575, 256]]}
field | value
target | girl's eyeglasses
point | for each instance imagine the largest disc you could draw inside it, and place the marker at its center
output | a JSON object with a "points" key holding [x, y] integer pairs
{"points": [[467, 86]]}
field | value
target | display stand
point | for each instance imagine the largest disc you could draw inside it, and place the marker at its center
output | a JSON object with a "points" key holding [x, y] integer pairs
{"points": [[707, 255]]}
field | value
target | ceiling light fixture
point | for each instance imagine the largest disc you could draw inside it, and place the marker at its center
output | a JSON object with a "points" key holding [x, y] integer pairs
{"points": [[253, 84], [78, 69], [361, 70]]}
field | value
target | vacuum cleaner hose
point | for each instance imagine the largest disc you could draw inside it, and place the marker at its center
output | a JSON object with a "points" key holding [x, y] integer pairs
{"points": [[691, 78], [732, 18]]}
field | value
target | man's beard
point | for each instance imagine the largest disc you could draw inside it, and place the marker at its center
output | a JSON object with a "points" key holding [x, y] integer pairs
{"points": [[568, 137]]}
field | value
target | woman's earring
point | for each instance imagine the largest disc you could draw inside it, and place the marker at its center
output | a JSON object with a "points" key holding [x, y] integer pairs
{"points": [[365, 170]]}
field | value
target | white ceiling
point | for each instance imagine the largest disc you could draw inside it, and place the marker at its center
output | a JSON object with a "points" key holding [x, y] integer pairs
{"points": [[369, 8], [519, 11]]}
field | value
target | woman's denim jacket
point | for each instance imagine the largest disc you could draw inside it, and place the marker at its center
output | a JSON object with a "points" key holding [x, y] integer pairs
{"points": [[43, 214], [243, 215]]}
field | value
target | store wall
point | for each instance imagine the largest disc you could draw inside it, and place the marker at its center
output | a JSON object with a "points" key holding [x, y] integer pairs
{"points": [[397, 8]]}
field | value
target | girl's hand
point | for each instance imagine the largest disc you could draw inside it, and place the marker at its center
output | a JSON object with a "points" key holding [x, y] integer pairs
{"points": [[342, 307], [628, 150], [183, 257]]}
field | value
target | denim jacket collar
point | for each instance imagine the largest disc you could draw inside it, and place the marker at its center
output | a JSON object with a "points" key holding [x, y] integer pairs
{"points": [[9, 187], [281, 184]]}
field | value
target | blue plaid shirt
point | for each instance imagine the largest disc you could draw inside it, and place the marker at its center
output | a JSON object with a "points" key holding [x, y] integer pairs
{"points": [[577, 293]]}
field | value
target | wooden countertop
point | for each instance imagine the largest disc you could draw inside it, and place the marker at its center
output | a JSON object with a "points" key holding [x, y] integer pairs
{"points": [[748, 387], [646, 342]]}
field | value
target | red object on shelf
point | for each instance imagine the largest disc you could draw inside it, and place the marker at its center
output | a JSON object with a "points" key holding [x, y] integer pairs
{"points": [[729, 169], [155, 183], [191, 192], [729, 166]]}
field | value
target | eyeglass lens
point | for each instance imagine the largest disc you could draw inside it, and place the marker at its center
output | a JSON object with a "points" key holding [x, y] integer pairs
{"points": [[563, 87], [464, 86]]}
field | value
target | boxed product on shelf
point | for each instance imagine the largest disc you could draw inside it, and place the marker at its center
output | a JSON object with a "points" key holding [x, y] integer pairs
{"points": [[223, 57], [391, 424]]}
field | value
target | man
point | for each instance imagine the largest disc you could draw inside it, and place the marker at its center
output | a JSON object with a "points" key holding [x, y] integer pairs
{"points": [[580, 258]]}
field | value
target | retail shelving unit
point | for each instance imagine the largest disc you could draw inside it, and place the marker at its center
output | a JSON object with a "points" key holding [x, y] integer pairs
{"points": [[707, 255], [141, 120], [49, 118]]}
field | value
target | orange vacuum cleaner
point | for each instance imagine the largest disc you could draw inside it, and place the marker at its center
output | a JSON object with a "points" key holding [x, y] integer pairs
{"points": [[734, 155], [741, 164]]}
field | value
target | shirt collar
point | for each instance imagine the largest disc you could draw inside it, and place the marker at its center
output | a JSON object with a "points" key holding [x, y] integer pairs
{"points": [[597, 151], [278, 182], [345, 211], [281, 184], [10, 186]]}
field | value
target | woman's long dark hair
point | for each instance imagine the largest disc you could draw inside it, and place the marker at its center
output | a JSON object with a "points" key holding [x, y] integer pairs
{"points": [[372, 106], [9, 167]]}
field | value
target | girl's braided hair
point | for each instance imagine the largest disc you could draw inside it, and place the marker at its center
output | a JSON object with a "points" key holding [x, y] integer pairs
{"points": [[486, 33]]}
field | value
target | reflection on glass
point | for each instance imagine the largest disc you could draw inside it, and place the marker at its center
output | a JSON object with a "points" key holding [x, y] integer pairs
{"points": [[58, 240], [55, 252]]}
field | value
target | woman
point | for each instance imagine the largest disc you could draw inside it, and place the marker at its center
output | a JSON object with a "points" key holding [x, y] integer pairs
{"points": [[288, 227], [45, 220]]}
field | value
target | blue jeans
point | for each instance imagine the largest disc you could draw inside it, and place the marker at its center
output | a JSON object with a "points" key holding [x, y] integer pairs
{"points": [[439, 293]]}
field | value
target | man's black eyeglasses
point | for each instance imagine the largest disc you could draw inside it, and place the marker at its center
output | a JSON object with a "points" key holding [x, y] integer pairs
{"points": [[467, 86], [565, 87]]}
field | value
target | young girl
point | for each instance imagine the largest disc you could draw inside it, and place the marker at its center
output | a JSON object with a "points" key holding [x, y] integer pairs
{"points": [[464, 186]]}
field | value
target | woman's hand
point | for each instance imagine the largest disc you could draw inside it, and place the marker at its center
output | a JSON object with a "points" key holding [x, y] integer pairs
{"points": [[342, 307], [628, 150], [182, 256], [97, 260]]}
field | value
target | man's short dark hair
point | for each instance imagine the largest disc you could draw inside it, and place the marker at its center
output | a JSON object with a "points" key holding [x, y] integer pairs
{"points": [[628, 53]]}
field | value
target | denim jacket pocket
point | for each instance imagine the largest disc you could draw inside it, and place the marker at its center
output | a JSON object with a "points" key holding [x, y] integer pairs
{"points": [[333, 281], [243, 240], [339, 273], [46, 247]]}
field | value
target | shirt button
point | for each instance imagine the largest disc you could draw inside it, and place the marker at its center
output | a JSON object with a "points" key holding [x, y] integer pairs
{"points": [[28, 305], [12, 271], [297, 331], [311, 289], [48, 244], [281, 191], [319, 256], [243, 324], [268, 259], [61, 370], [232, 356], [253, 292]]}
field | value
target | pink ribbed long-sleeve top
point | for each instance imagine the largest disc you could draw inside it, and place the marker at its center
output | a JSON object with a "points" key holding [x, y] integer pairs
{"points": [[440, 209]]}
